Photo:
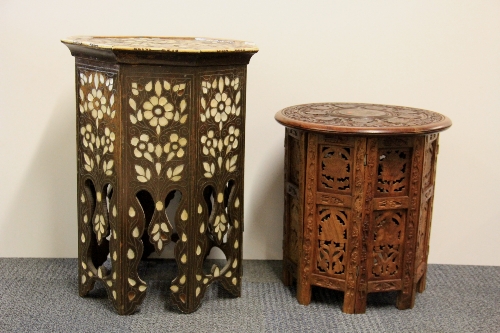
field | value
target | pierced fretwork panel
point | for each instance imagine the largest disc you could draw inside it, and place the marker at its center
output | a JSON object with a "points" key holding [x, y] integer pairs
{"points": [[388, 238], [332, 238], [335, 169], [393, 172], [422, 228], [429, 160]]}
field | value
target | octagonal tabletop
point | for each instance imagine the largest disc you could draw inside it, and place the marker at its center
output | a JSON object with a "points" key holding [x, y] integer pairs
{"points": [[366, 119], [163, 44]]}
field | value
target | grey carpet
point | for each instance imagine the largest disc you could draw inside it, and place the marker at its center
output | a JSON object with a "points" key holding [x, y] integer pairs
{"points": [[40, 295]]}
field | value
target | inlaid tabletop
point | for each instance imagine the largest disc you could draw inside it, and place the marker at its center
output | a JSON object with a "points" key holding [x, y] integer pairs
{"points": [[357, 118], [164, 44]]}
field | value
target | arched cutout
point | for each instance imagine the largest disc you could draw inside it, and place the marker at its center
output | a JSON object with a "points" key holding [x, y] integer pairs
{"points": [[91, 194], [98, 253], [208, 195], [147, 203], [172, 202], [108, 194], [148, 206], [215, 258], [228, 191]]}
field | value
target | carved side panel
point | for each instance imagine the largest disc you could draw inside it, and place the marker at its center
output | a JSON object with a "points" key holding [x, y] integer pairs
{"points": [[422, 225], [219, 182], [295, 153], [335, 169], [157, 141], [393, 172], [427, 198], [97, 149], [387, 246], [332, 240], [294, 187], [406, 296], [386, 234], [430, 155], [306, 263], [357, 278], [335, 184]]}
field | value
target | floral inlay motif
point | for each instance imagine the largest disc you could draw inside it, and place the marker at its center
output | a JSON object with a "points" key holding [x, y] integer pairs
{"points": [[175, 147], [231, 140], [158, 109], [159, 104], [220, 101], [96, 100], [220, 116], [158, 115]]}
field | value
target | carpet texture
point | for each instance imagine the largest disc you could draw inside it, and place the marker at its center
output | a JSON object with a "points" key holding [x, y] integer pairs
{"points": [[41, 295]]}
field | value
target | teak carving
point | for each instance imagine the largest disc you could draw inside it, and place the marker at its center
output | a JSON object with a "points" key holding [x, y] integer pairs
{"points": [[148, 134], [366, 200]]}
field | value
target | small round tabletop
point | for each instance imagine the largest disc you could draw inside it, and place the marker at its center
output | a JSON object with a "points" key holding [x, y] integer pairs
{"points": [[357, 118], [163, 44]]}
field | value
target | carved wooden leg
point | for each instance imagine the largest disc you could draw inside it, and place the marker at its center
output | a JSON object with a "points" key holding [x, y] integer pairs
{"points": [[406, 300], [349, 302], [421, 284], [287, 276], [130, 290], [304, 293]]}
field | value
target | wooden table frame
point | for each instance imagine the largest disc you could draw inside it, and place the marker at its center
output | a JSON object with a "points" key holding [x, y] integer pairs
{"points": [[358, 206], [156, 116]]}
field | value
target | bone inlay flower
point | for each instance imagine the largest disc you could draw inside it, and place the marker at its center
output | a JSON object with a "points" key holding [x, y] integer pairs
{"points": [[157, 109], [209, 143], [96, 103], [143, 147], [220, 107], [175, 146]]}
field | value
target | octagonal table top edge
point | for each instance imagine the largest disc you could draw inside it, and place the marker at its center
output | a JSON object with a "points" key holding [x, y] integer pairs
{"points": [[362, 119], [163, 44]]}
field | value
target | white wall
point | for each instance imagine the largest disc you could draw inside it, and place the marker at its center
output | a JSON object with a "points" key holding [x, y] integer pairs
{"points": [[439, 55]]}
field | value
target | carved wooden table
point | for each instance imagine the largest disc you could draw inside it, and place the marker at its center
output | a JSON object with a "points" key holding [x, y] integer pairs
{"points": [[156, 116], [359, 185]]}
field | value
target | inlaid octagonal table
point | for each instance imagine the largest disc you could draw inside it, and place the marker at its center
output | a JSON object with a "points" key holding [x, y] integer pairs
{"points": [[359, 188], [158, 119]]}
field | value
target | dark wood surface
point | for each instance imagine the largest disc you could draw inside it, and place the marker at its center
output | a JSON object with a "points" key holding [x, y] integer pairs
{"points": [[358, 207], [358, 118], [155, 126]]}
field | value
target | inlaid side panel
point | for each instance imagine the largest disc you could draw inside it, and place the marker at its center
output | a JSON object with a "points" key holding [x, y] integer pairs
{"points": [[157, 141], [97, 149], [219, 184]]}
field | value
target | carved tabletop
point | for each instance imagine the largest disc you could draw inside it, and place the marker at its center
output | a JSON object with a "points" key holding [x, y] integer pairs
{"points": [[357, 118]]}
